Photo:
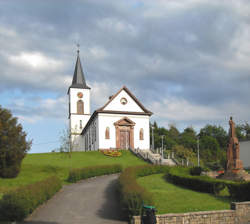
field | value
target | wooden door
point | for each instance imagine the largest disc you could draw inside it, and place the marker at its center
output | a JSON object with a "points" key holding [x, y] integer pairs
{"points": [[124, 139]]}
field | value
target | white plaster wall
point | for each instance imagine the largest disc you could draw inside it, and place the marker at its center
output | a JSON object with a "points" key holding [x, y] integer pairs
{"points": [[108, 120], [75, 122], [74, 98], [245, 153], [116, 105], [77, 143], [94, 145]]}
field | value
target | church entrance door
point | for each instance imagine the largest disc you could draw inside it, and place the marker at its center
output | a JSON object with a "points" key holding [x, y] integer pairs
{"points": [[124, 139], [124, 133]]}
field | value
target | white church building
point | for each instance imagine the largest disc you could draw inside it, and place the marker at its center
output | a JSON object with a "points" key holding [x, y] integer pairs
{"points": [[122, 123]]}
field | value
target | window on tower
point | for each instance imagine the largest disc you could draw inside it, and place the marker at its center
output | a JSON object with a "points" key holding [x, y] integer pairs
{"points": [[80, 124], [80, 107]]}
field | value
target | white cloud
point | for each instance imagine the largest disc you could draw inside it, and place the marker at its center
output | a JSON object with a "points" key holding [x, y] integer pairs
{"points": [[35, 60]]}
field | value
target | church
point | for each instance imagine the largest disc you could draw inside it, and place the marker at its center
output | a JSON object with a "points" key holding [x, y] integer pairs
{"points": [[122, 123]]}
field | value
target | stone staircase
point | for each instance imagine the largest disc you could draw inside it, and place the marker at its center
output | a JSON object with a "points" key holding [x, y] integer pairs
{"points": [[153, 158]]}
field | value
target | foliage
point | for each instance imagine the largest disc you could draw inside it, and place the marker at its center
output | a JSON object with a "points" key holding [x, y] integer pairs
{"points": [[217, 132], [13, 144], [209, 148], [196, 171], [18, 204], [182, 152], [188, 139], [181, 176], [132, 195], [92, 171], [169, 198], [243, 131], [239, 191]]}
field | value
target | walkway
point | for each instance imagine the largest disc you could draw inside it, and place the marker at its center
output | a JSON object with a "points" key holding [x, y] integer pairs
{"points": [[92, 201]]}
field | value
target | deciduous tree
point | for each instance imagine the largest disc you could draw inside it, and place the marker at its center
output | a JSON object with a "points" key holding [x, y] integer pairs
{"points": [[13, 144]]}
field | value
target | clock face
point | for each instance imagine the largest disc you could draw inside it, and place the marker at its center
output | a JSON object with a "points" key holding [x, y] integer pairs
{"points": [[123, 101], [80, 95]]}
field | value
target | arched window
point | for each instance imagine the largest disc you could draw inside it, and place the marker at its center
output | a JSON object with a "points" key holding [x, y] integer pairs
{"points": [[107, 133], [141, 134], [80, 109]]}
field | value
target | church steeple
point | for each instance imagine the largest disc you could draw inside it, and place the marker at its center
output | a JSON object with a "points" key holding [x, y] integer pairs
{"points": [[78, 78]]}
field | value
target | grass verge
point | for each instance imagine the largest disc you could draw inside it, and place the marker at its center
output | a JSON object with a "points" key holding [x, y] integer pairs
{"points": [[37, 167], [170, 198]]}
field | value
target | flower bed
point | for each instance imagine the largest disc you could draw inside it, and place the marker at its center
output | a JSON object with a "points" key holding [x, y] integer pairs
{"points": [[112, 153]]}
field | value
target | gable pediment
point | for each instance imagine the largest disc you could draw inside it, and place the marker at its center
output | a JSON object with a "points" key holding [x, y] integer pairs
{"points": [[124, 122], [125, 101]]}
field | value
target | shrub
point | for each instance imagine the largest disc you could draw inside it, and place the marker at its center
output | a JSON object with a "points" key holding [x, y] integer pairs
{"points": [[132, 195], [13, 145], [239, 191], [181, 176], [93, 171], [18, 204], [196, 171]]}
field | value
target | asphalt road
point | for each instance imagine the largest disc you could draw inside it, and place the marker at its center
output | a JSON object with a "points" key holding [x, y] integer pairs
{"points": [[92, 201]]}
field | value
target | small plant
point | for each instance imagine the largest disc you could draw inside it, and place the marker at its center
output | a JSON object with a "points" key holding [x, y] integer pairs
{"points": [[112, 152]]}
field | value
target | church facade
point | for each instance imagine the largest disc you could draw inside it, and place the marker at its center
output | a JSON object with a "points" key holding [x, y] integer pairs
{"points": [[122, 123]]}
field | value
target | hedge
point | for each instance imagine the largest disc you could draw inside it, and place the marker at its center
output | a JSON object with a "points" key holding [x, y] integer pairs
{"points": [[239, 191], [133, 195], [181, 176], [92, 171], [16, 205]]}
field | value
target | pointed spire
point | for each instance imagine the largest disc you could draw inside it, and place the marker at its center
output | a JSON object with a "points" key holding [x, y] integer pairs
{"points": [[78, 78]]}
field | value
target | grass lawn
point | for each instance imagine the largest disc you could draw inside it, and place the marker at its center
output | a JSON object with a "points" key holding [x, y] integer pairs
{"points": [[170, 198], [37, 167]]}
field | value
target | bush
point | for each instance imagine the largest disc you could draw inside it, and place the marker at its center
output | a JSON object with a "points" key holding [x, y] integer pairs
{"points": [[18, 204], [196, 171], [239, 191], [132, 195], [181, 176], [93, 171], [13, 145]]}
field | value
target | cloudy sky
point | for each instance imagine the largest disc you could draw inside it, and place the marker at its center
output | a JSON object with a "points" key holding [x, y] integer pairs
{"points": [[188, 61]]}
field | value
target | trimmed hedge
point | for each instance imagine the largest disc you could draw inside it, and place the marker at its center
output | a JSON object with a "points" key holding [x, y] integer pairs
{"points": [[92, 171], [196, 171], [18, 204], [181, 176], [239, 191], [133, 195]]}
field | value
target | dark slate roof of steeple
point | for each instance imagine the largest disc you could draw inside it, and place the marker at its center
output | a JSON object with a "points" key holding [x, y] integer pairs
{"points": [[78, 78]]}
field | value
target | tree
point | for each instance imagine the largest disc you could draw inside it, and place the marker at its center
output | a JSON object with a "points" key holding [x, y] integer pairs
{"points": [[13, 144], [210, 149], [188, 139], [216, 132]]}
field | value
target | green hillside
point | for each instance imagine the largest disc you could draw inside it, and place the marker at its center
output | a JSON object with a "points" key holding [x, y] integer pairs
{"points": [[37, 167]]}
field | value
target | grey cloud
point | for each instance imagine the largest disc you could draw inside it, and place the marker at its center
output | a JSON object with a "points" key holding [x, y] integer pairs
{"points": [[182, 52]]}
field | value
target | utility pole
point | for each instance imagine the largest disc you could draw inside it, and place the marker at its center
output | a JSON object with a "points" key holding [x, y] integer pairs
{"points": [[198, 149]]}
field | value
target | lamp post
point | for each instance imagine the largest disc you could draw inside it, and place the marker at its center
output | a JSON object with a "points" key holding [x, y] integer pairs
{"points": [[153, 145], [198, 149], [162, 142]]}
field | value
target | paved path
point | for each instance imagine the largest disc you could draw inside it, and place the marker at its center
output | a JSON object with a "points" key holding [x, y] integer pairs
{"points": [[92, 201]]}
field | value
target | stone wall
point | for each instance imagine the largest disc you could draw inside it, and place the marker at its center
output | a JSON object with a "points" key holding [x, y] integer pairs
{"points": [[239, 214]]}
